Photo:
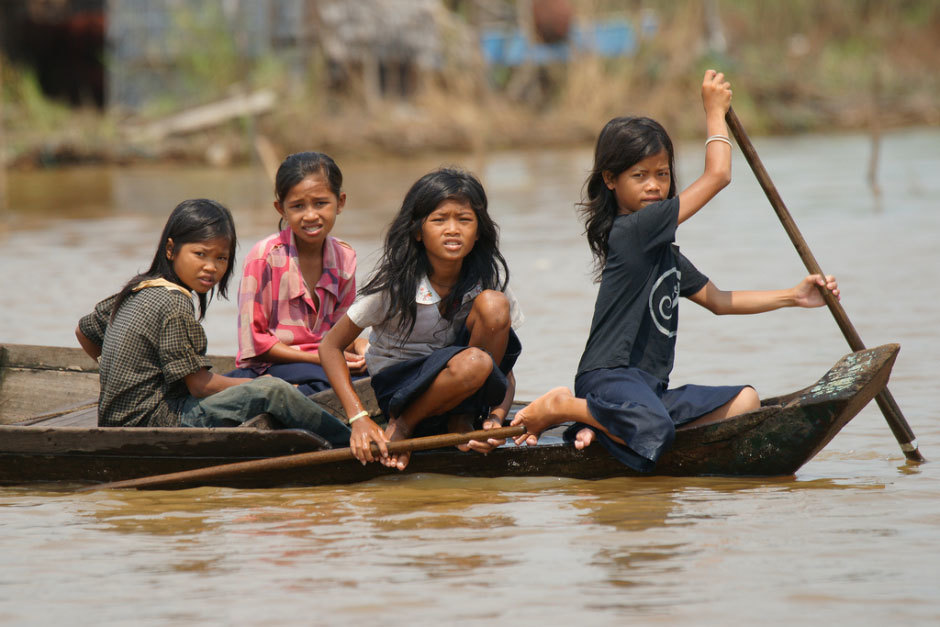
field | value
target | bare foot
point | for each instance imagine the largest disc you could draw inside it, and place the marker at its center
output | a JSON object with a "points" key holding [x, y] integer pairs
{"points": [[583, 438], [546, 411], [396, 430], [460, 423]]}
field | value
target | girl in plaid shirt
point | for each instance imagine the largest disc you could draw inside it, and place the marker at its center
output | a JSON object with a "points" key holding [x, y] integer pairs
{"points": [[151, 349]]}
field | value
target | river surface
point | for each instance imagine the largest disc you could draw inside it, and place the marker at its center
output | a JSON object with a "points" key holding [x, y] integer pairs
{"points": [[853, 538]]}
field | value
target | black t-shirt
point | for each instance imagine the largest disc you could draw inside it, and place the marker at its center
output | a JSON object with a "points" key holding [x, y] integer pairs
{"points": [[637, 310]]}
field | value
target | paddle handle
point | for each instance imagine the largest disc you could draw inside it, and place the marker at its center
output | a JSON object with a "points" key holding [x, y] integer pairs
{"points": [[302, 460], [889, 408]]}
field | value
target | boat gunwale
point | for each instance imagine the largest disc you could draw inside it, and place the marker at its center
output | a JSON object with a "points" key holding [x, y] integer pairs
{"points": [[835, 397]]}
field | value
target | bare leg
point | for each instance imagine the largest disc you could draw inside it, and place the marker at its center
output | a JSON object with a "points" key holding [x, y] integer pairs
{"points": [[460, 423], [746, 400], [489, 323], [555, 407], [464, 374]]}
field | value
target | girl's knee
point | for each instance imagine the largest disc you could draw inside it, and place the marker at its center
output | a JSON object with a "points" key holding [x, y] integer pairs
{"points": [[747, 400], [492, 308], [471, 367], [272, 386]]}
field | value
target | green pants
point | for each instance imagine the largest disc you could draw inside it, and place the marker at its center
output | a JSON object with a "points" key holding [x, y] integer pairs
{"points": [[270, 395]]}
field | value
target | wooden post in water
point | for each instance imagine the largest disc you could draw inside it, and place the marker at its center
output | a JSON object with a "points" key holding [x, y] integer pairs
{"points": [[875, 133], [889, 408], [3, 147]]}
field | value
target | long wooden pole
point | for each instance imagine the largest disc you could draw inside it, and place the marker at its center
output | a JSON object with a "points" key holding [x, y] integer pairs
{"points": [[892, 413], [302, 460]]}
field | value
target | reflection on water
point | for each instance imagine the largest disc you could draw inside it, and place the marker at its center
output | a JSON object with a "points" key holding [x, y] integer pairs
{"points": [[851, 538]]}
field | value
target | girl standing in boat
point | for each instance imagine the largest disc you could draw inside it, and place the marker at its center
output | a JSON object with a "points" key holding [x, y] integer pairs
{"points": [[298, 282], [631, 214], [152, 350], [442, 346]]}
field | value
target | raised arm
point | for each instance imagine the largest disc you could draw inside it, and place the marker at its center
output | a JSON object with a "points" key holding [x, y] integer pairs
{"points": [[804, 294], [716, 98]]}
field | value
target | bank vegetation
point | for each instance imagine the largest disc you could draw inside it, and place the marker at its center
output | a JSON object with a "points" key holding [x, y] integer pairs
{"points": [[796, 66]]}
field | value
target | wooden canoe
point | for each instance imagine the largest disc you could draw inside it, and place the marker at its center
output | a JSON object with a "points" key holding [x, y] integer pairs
{"points": [[47, 407]]}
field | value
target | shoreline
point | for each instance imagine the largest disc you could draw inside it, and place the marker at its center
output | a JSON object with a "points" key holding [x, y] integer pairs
{"points": [[376, 141]]}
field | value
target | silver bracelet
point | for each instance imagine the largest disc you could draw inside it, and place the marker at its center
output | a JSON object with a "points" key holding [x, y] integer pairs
{"points": [[718, 138]]}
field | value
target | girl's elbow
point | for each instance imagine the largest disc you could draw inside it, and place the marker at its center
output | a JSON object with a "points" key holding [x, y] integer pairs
{"points": [[329, 352], [716, 307], [197, 391], [198, 384], [718, 176], [325, 349], [723, 178]]}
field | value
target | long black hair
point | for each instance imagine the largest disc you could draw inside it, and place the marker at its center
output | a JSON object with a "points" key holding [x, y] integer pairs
{"points": [[300, 165], [404, 258], [622, 143], [192, 221]]}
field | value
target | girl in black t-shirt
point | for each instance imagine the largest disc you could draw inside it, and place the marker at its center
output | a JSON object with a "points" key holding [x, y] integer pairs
{"points": [[631, 213]]}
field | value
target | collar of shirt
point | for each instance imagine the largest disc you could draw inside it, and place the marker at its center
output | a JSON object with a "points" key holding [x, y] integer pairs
{"points": [[425, 294], [328, 280], [161, 282]]}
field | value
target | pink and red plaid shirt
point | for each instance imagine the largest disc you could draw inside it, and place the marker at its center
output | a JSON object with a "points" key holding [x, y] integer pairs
{"points": [[274, 303]]}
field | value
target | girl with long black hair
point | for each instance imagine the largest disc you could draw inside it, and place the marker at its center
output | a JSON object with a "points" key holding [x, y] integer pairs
{"points": [[632, 209], [442, 346]]}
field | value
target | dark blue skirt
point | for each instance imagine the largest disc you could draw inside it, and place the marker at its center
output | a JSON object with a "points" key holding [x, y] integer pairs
{"points": [[638, 409], [309, 378], [397, 386]]}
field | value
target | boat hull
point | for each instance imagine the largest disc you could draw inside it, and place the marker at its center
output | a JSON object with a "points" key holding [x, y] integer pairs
{"points": [[775, 440]]}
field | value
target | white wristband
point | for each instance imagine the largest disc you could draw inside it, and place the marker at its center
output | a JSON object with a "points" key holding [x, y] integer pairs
{"points": [[362, 414], [718, 138]]}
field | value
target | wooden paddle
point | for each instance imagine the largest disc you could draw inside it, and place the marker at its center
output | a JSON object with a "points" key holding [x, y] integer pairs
{"points": [[892, 413], [302, 460]]}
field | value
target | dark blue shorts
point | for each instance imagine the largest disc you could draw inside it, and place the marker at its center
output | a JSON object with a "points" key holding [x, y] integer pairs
{"points": [[309, 378], [638, 409], [397, 386]]}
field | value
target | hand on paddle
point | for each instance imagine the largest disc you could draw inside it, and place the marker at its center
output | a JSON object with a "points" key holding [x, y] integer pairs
{"points": [[807, 294], [364, 433]]}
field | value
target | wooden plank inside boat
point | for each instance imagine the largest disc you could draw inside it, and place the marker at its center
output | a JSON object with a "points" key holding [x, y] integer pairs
{"points": [[45, 380]]}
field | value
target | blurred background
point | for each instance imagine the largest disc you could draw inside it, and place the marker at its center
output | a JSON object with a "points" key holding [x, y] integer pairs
{"points": [[114, 111], [236, 81]]}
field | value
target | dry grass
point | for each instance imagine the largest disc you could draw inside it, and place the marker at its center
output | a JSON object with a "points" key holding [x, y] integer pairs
{"points": [[803, 65]]}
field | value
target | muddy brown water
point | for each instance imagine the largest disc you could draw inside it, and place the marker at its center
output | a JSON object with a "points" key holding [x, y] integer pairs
{"points": [[853, 537]]}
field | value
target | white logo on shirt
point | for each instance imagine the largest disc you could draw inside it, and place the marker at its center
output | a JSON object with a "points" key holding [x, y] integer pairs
{"points": [[663, 302]]}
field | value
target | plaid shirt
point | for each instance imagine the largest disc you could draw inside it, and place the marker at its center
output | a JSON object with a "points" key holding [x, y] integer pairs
{"points": [[152, 344], [275, 304]]}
